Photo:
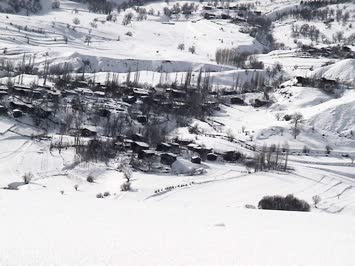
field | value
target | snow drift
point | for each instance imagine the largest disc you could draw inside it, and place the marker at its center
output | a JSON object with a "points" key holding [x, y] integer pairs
{"points": [[343, 71]]}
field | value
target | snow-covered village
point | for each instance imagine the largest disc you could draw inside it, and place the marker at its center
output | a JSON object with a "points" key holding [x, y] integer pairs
{"points": [[137, 132]]}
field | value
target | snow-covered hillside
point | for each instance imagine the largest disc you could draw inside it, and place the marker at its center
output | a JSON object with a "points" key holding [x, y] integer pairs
{"points": [[149, 135], [154, 39], [342, 71]]}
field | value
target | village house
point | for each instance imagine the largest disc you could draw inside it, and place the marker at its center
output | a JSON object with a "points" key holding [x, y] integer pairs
{"points": [[168, 158], [207, 7], [142, 119], [138, 146], [164, 147], [211, 157], [231, 156], [3, 110], [129, 99], [17, 113], [196, 159], [146, 154], [20, 90], [3, 94], [26, 108], [138, 137], [237, 100], [88, 131], [209, 16]]}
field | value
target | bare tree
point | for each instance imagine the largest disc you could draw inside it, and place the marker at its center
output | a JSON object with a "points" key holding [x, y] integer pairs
{"points": [[124, 167], [86, 63], [316, 199], [296, 120], [127, 19], [45, 70], [76, 21], [286, 149], [328, 149], [27, 177], [88, 39]]}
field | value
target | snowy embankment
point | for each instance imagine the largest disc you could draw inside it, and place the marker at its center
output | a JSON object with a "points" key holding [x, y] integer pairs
{"points": [[174, 218], [117, 65], [343, 71], [182, 228], [148, 43]]}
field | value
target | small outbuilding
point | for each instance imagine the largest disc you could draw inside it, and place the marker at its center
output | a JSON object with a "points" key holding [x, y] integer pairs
{"points": [[168, 158], [138, 146], [212, 157], [196, 159]]}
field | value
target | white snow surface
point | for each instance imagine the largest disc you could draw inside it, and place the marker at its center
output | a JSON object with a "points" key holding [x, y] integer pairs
{"points": [[343, 71], [204, 219]]}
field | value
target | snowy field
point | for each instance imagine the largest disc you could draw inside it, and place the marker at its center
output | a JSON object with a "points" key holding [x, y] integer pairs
{"points": [[109, 41], [93, 232], [205, 219], [49, 223]]}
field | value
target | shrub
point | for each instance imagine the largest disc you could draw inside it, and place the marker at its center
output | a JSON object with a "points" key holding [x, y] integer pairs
{"points": [[126, 186], [27, 177], [56, 4], [316, 199], [194, 129], [99, 196], [288, 203], [76, 21], [305, 149], [129, 33], [192, 49], [127, 19], [181, 46], [90, 179], [106, 194], [328, 149], [287, 117]]}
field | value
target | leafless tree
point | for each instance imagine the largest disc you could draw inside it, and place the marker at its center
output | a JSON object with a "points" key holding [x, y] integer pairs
{"points": [[316, 199], [296, 120]]}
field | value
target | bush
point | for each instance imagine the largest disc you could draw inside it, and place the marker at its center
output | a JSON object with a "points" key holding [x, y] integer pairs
{"points": [[181, 46], [306, 150], [328, 149], [127, 19], [56, 4], [27, 177], [106, 194], [194, 129], [99, 196], [192, 49], [76, 21], [288, 203], [126, 186], [287, 117], [316, 199], [90, 179]]}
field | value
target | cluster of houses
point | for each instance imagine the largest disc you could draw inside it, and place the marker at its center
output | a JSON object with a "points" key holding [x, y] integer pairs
{"points": [[167, 152], [328, 85], [40, 100], [233, 97], [238, 13], [338, 52], [19, 99], [46, 102]]}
